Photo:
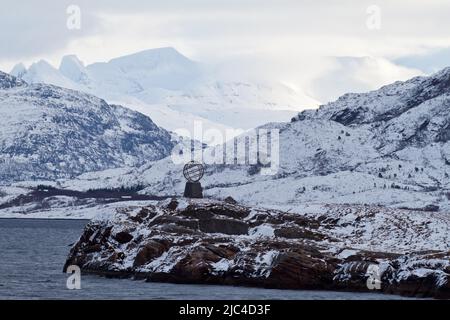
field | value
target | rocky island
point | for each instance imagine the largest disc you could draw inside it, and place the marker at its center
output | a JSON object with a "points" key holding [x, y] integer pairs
{"points": [[332, 247]]}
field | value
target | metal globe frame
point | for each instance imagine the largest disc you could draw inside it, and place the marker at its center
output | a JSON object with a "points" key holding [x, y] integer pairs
{"points": [[193, 167]]}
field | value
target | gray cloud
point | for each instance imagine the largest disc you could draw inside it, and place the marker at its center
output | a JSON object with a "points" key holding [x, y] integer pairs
{"points": [[428, 62], [30, 28], [284, 35]]}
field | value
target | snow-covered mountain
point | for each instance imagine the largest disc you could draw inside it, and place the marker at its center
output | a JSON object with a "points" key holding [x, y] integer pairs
{"points": [[48, 132], [174, 90], [390, 147]]}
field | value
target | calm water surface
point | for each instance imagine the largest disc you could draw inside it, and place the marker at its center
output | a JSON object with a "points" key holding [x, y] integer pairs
{"points": [[33, 252]]}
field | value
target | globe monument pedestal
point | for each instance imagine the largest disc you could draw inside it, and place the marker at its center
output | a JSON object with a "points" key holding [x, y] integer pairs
{"points": [[193, 172], [193, 190]]}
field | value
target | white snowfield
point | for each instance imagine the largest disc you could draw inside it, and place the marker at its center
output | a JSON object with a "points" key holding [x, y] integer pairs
{"points": [[174, 90]]}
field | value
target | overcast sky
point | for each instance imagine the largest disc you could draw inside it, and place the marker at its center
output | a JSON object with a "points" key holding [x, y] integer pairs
{"points": [[283, 38]]}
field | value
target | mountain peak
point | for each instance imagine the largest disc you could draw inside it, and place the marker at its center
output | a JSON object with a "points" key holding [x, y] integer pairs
{"points": [[18, 70], [43, 63], [73, 68], [41, 66], [155, 51], [166, 50], [44, 72], [71, 58], [153, 58]]}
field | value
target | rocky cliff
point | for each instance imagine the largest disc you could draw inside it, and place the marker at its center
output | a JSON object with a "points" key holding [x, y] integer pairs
{"points": [[214, 242]]}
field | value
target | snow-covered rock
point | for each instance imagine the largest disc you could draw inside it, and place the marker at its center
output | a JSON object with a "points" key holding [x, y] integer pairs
{"points": [[213, 242], [8, 81]]}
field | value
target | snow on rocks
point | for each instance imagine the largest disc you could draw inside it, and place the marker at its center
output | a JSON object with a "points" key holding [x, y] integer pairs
{"points": [[49, 133], [214, 242]]}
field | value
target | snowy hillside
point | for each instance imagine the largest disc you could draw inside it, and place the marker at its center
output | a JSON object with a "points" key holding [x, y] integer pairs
{"points": [[388, 147], [48, 132], [8, 82], [173, 90]]}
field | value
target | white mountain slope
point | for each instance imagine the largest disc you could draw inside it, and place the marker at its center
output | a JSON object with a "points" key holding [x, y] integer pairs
{"points": [[48, 133], [389, 147], [43, 72], [174, 91]]}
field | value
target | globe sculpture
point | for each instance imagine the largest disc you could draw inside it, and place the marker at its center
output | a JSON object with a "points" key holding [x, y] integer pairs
{"points": [[193, 172]]}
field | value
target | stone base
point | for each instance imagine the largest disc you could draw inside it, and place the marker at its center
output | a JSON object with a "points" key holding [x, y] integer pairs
{"points": [[193, 190]]}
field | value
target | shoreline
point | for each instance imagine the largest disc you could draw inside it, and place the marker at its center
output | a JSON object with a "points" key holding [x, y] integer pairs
{"points": [[144, 276], [43, 219]]}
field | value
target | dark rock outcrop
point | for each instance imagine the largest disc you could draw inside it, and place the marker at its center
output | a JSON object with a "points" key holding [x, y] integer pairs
{"points": [[213, 242]]}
